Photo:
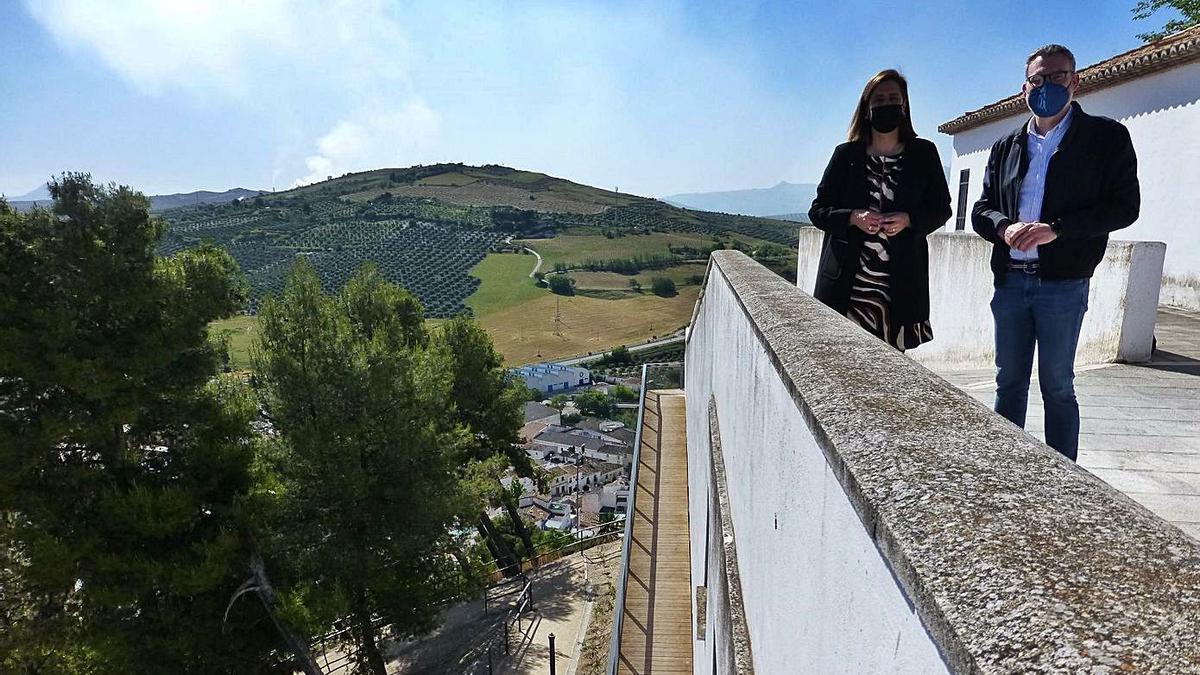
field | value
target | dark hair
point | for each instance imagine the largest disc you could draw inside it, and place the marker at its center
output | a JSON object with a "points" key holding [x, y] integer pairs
{"points": [[1050, 50], [860, 124]]}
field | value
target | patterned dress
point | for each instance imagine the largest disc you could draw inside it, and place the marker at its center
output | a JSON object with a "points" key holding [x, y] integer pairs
{"points": [[870, 294]]}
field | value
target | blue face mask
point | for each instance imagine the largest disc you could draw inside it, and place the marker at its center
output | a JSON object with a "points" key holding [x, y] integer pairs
{"points": [[1048, 99]]}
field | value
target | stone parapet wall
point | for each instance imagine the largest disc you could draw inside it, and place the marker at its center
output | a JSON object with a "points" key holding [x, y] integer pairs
{"points": [[1119, 325], [885, 522]]}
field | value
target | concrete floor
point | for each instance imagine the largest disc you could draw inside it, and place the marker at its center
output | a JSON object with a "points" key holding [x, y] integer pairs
{"points": [[1140, 424]]}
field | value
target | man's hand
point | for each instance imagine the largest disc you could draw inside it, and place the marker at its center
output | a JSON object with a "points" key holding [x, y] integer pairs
{"points": [[1029, 236], [893, 223], [1011, 231], [866, 220]]}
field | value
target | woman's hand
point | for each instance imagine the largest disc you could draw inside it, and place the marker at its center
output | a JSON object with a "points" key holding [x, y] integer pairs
{"points": [[895, 222], [866, 220]]}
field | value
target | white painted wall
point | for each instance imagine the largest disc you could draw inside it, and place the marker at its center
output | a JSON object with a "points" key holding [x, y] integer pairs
{"points": [[1119, 324], [819, 596], [1162, 113]]}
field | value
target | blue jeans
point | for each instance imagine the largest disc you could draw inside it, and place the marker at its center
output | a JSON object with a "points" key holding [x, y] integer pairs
{"points": [[1030, 310]]}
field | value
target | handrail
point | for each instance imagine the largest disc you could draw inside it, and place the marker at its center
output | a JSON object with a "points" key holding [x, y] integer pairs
{"points": [[614, 649]]}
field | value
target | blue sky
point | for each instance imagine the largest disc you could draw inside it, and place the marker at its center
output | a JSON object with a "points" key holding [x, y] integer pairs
{"points": [[653, 98]]}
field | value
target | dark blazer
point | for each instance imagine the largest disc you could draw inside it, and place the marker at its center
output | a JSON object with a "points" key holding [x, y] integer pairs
{"points": [[1091, 190], [920, 191]]}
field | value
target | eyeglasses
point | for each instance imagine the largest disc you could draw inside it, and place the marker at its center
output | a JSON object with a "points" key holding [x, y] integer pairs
{"points": [[1058, 77]]}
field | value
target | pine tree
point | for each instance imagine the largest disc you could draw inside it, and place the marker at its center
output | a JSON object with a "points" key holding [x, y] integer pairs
{"points": [[367, 453], [491, 406], [124, 458]]}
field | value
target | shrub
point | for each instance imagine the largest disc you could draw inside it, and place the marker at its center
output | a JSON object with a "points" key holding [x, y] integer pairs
{"points": [[595, 404], [663, 286], [624, 394], [562, 285]]}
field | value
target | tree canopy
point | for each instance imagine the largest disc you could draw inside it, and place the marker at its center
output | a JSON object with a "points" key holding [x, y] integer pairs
{"points": [[367, 454], [125, 459], [1189, 15]]}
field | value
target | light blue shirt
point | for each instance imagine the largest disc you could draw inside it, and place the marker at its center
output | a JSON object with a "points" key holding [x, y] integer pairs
{"points": [[1033, 188]]}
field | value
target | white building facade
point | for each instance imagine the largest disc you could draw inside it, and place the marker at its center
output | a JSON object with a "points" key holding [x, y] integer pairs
{"points": [[1154, 91]]}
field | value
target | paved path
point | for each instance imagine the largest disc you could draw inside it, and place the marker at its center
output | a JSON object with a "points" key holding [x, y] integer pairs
{"points": [[1140, 424], [675, 337], [459, 646], [561, 605], [657, 624], [538, 266]]}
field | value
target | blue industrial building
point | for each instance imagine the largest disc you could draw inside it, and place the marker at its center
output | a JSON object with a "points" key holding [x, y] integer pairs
{"points": [[551, 378]]}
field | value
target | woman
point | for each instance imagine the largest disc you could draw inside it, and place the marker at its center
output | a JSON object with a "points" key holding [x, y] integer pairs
{"points": [[881, 194]]}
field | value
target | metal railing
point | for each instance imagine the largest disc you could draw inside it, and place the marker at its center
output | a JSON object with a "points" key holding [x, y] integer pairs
{"points": [[614, 649]]}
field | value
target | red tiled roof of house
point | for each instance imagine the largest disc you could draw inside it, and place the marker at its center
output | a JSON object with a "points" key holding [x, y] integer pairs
{"points": [[1170, 52], [531, 430]]}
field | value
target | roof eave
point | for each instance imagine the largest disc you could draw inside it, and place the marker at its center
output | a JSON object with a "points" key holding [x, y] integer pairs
{"points": [[1171, 52]]}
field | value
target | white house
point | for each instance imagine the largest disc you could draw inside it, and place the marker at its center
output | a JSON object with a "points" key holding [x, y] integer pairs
{"points": [[559, 440], [541, 413], [1154, 91], [528, 487], [582, 477], [613, 453], [614, 496]]}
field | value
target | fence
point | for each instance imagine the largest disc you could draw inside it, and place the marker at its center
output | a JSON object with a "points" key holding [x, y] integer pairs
{"points": [[627, 541], [328, 648]]}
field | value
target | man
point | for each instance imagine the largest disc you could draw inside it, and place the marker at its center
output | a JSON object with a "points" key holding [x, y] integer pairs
{"points": [[1052, 192]]}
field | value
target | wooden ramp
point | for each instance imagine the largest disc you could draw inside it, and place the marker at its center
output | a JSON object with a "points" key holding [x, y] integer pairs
{"points": [[656, 632]]}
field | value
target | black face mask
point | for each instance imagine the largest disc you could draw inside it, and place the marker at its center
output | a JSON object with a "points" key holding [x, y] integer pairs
{"points": [[886, 118]]}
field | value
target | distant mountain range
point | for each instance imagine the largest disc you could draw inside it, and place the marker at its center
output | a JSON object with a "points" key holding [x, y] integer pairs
{"points": [[786, 198], [41, 196]]}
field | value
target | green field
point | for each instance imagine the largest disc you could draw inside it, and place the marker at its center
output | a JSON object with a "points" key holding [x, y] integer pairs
{"points": [[680, 274], [505, 282], [528, 332], [568, 248], [242, 331]]}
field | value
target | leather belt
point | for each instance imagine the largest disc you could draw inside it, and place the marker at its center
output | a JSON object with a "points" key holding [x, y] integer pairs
{"points": [[1027, 266]]}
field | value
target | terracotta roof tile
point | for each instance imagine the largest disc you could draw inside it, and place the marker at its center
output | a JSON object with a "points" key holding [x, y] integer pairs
{"points": [[1172, 51]]}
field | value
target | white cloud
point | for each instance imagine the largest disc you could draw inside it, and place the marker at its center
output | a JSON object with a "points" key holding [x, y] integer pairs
{"points": [[297, 63], [607, 93], [231, 47], [194, 45], [382, 139]]}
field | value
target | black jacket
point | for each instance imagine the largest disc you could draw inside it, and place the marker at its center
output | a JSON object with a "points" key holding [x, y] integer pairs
{"points": [[1091, 190], [920, 191]]}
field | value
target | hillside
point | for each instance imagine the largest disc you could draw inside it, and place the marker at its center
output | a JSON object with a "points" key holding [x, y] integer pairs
{"points": [[793, 217], [782, 197], [427, 226]]}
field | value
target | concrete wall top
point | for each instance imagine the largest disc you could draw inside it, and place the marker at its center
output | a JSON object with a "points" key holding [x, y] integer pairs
{"points": [[1015, 559]]}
